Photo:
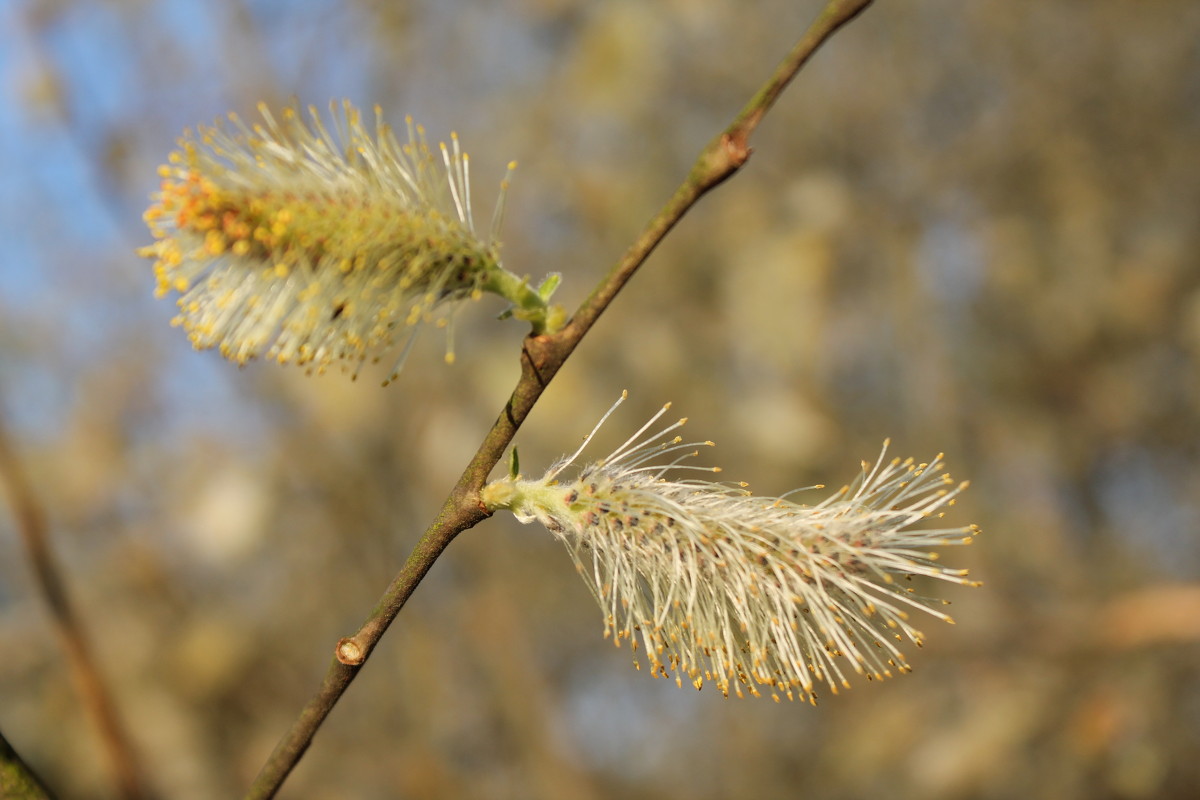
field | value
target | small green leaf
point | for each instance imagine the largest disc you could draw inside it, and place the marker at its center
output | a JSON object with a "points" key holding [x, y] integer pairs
{"points": [[547, 287]]}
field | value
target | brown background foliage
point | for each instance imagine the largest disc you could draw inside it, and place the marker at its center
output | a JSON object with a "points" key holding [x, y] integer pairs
{"points": [[971, 227]]}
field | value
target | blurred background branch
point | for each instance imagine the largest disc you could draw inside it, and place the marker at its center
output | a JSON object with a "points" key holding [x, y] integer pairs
{"points": [[984, 242], [93, 691]]}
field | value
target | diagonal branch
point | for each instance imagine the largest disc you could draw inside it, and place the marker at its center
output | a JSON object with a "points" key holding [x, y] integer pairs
{"points": [[31, 522], [541, 359]]}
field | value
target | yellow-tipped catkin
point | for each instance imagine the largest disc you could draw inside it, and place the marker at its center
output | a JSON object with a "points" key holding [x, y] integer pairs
{"points": [[755, 594], [308, 244]]}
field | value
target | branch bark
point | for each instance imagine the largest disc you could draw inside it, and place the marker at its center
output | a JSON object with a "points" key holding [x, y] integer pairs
{"points": [[541, 359]]}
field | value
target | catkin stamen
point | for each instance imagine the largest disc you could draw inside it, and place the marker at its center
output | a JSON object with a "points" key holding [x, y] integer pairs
{"points": [[718, 585], [301, 244]]}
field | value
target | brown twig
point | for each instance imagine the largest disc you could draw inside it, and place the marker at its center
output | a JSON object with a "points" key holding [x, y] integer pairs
{"points": [[31, 522], [541, 359]]}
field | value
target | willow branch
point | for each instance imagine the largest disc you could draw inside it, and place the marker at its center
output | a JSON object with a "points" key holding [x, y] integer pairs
{"points": [[31, 523], [541, 359]]}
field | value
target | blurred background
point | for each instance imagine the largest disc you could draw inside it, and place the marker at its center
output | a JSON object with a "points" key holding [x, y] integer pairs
{"points": [[971, 227]]}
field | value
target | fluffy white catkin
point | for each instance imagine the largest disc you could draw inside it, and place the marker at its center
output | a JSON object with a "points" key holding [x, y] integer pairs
{"points": [[751, 593]]}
